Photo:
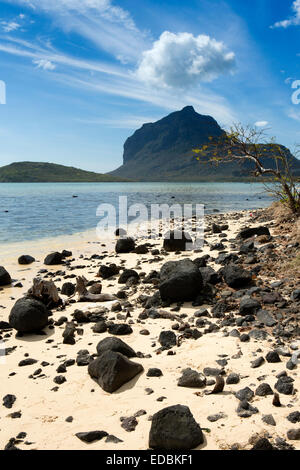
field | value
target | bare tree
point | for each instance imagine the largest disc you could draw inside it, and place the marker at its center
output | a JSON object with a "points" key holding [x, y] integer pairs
{"points": [[249, 144]]}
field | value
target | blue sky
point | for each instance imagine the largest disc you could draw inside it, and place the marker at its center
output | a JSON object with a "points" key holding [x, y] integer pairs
{"points": [[82, 75]]}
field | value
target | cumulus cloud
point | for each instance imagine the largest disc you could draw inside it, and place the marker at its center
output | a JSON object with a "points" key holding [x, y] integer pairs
{"points": [[44, 64], [182, 60], [293, 20]]}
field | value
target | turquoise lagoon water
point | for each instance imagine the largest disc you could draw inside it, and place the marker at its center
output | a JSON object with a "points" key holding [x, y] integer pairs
{"points": [[31, 211]]}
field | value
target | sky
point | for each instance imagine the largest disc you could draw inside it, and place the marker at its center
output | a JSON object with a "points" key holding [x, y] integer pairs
{"points": [[80, 76]]}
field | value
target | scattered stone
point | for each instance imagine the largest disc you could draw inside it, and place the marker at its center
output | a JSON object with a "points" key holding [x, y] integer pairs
{"points": [[235, 276], [53, 259], [245, 394], [263, 390], [167, 339], [26, 259], [249, 306], [233, 379], [154, 373], [113, 439], [9, 400], [269, 419], [68, 289], [192, 379], [120, 329], [262, 444], [91, 436], [125, 245], [273, 357], [177, 240], [129, 424], [294, 417], [294, 434]]}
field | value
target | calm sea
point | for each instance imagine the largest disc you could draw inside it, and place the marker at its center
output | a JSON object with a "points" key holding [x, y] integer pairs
{"points": [[36, 210]]}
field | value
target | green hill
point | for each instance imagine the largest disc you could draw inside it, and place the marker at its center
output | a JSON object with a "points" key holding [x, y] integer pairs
{"points": [[34, 172]]}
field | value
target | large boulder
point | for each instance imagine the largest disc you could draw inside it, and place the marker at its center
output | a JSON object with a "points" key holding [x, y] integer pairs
{"points": [[251, 232], [5, 278], [125, 245], [180, 281], [28, 315], [26, 259], [53, 259], [235, 276], [177, 240], [174, 428], [115, 344], [112, 370]]}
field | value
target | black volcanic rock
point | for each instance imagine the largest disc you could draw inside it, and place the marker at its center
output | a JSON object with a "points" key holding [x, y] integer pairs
{"points": [[5, 278], [174, 428], [163, 151], [112, 370], [180, 281], [28, 315]]}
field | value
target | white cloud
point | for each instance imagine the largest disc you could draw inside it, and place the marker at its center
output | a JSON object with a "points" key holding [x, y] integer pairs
{"points": [[48, 53], [44, 64], [261, 123], [293, 20], [9, 26], [123, 122], [182, 60], [203, 100], [108, 26]]}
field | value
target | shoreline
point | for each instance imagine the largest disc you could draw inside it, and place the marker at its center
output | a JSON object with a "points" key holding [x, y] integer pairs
{"points": [[44, 406]]}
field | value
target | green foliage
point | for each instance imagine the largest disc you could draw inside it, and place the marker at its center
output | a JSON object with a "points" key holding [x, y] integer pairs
{"points": [[269, 160]]}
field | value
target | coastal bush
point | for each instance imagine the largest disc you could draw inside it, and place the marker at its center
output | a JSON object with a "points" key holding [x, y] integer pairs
{"points": [[269, 161]]}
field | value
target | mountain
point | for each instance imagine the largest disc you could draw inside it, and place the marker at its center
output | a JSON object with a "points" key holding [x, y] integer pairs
{"points": [[32, 172], [162, 151]]}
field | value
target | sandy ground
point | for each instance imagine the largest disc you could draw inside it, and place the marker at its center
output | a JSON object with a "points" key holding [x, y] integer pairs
{"points": [[44, 411]]}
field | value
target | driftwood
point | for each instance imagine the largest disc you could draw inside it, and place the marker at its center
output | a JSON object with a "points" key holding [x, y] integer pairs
{"points": [[46, 292], [170, 316], [219, 386], [85, 296]]}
